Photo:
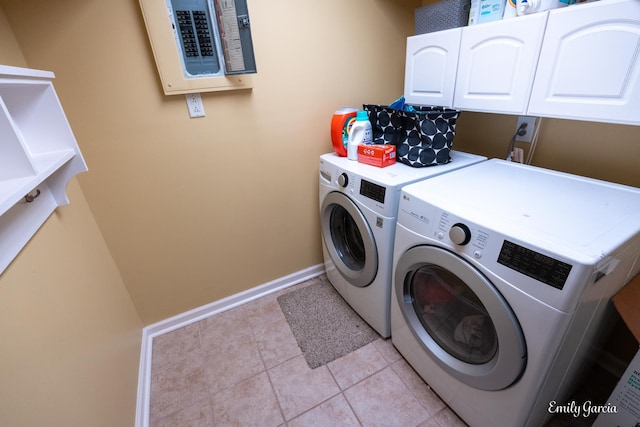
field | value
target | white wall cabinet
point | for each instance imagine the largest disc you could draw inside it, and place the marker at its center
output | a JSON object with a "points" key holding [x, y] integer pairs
{"points": [[590, 64], [488, 67], [430, 73], [579, 62], [497, 64], [38, 156]]}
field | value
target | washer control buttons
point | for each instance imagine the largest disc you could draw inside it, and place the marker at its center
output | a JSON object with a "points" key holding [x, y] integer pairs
{"points": [[460, 234]]}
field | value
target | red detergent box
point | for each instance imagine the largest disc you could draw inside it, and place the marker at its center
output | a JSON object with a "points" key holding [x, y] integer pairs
{"points": [[377, 155]]}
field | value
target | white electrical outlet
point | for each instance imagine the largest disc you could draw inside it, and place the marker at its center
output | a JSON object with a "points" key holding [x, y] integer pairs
{"points": [[528, 130], [194, 103]]}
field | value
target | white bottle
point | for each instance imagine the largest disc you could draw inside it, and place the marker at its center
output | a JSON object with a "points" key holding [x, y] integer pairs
{"points": [[361, 133], [527, 7]]}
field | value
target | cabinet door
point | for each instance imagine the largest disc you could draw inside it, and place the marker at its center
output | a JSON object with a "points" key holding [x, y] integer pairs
{"points": [[431, 64], [497, 64], [591, 57]]}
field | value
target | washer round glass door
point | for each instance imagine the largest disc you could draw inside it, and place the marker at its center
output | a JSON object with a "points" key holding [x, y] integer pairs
{"points": [[349, 240], [460, 318]]}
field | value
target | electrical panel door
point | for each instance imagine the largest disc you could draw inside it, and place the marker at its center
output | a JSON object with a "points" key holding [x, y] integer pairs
{"points": [[235, 31]]}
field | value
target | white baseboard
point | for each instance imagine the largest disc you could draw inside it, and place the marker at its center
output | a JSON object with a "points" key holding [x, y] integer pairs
{"points": [[197, 314]]}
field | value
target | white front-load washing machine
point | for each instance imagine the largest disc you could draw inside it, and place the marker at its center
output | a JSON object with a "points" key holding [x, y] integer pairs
{"points": [[502, 281], [358, 207]]}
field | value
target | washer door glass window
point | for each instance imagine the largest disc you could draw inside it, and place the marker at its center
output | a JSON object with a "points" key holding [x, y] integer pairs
{"points": [[453, 315], [349, 240], [459, 318]]}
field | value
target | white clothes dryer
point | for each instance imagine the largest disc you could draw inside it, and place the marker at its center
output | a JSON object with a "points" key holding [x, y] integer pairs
{"points": [[502, 281], [358, 208]]}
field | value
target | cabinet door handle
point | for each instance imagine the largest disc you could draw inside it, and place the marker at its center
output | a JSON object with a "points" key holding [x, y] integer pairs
{"points": [[29, 197]]}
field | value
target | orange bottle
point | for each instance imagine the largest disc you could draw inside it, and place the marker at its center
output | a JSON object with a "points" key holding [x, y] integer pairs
{"points": [[340, 126]]}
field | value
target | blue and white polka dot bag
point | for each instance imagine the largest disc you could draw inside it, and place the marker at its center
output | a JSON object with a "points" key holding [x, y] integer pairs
{"points": [[423, 136]]}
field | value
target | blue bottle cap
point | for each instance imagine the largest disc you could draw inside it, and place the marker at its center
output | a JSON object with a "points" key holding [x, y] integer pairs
{"points": [[362, 115]]}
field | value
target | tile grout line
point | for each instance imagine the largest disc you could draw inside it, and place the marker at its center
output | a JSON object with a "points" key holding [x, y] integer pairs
{"points": [[344, 396], [266, 371]]}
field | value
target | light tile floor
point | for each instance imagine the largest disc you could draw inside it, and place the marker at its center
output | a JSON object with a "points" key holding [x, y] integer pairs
{"points": [[243, 367]]}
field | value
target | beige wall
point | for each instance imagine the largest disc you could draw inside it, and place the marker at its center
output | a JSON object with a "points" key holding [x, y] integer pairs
{"points": [[194, 210], [9, 50], [70, 333]]}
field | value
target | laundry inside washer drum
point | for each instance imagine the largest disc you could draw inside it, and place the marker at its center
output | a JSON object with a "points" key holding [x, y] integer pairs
{"points": [[453, 315]]}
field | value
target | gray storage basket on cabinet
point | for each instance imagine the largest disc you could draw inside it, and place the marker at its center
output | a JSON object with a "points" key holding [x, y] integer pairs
{"points": [[443, 15]]}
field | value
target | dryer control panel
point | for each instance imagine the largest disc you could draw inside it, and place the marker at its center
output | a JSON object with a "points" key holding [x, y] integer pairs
{"points": [[535, 265], [461, 233], [470, 239]]}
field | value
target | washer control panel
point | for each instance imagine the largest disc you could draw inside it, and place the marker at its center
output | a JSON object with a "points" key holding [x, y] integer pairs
{"points": [[366, 191], [373, 191]]}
